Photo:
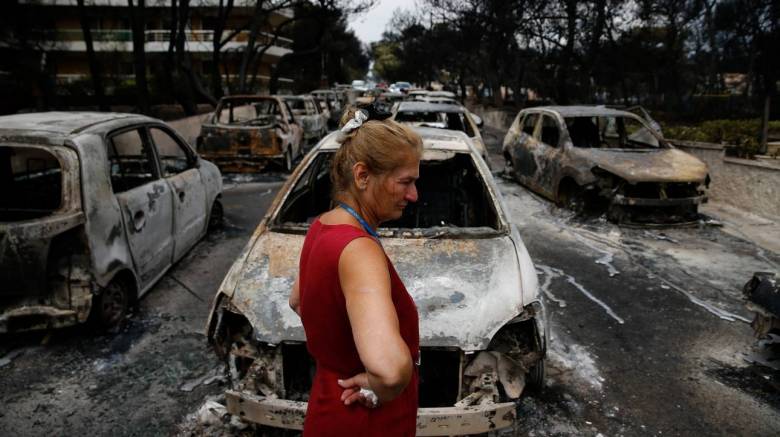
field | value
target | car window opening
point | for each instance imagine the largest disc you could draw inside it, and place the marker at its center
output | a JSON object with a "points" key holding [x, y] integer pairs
{"points": [[452, 197], [610, 133], [248, 112], [32, 183], [442, 120]]}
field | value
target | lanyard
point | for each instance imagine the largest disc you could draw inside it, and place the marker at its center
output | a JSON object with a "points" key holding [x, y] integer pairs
{"points": [[360, 219]]}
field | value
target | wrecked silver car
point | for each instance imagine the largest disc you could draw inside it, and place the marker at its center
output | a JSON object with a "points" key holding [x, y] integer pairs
{"points": [[601, 159], [245, 133], [95, 208], [313, 121], [482, 324], [442, 116]]}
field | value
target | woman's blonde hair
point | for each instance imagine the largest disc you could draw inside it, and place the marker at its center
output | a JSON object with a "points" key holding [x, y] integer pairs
{"points": [[382, 145]]}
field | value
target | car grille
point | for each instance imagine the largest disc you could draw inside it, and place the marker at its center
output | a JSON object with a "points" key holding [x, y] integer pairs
{"points": [[439, 372]]}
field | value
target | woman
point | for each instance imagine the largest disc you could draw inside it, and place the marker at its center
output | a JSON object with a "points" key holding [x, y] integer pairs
{"points": [[361, 324]]}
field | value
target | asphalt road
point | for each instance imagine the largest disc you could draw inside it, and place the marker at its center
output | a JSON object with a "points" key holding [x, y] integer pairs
{"points": [[649, 336]]}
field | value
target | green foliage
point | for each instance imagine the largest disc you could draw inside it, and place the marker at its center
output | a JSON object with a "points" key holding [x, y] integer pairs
{"points": [[742, 136]]}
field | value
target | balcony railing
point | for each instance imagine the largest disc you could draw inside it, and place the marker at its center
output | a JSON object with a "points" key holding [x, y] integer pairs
{"points": [[126, 35]]}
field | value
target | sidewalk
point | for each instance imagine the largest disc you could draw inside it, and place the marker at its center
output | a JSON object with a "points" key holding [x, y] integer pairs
{"points": [[764, 232]]}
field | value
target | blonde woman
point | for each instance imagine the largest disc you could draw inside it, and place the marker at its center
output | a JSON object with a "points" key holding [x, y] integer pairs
{"points": [[361, 324]]}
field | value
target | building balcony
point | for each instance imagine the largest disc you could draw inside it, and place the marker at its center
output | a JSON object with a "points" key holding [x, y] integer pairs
{"points": [[121, 40]]}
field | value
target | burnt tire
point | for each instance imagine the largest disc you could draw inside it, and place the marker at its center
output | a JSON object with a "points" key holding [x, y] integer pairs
{"points": [[216, 216], [535, 377], [572, 197], [112, 305]]}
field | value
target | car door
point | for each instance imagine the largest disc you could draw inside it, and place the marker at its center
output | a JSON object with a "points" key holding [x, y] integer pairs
{"points": [[294, 132], [146, 202], [524, 148], [178, 165], [547, 153]]}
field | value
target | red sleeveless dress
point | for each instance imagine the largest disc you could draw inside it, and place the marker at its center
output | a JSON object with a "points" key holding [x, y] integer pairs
{"points": [[329, 341]]}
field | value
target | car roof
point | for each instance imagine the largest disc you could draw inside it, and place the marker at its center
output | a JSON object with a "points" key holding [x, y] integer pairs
{"points": [[61, 123], [418, 106], [583, 111], [433, 139]]}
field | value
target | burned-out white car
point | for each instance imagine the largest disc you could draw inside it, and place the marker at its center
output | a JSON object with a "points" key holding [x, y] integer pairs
{"points": [[313, 120], [95, 207], [442, 116], [482, 324]]}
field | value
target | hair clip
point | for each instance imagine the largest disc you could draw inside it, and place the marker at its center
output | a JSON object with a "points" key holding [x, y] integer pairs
{"points": [[361, 115]]}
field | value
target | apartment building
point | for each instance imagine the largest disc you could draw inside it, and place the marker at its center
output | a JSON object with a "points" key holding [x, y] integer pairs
{"points": [[62, 39]]}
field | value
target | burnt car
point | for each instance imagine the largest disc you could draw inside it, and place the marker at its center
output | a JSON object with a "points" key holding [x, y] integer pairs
{"points": [[95, 208], [312, 119], [330, 105], [482, 323], [762, 297], [247, 132], [596, 159], [442, 116]]}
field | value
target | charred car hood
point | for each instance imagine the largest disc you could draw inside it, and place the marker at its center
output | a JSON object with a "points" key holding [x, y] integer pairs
{"points": [[649, 165], [465, 289]]}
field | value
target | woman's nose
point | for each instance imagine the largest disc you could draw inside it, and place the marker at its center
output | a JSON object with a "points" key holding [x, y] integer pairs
{"points": [[411, 194]]}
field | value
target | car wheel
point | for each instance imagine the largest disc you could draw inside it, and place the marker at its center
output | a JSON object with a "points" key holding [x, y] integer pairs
{"points": [[217, 216], [534, 380], [110, 307], [572, 198]]}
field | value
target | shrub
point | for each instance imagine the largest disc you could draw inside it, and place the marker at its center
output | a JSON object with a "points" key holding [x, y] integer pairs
{"points": [[741, 137]]}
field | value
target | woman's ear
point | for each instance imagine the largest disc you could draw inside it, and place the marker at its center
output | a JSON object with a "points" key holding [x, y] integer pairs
{"points": [[360, 174]]}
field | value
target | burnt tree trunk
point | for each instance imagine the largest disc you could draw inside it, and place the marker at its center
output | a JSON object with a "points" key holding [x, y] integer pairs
{"points": [[138, 24], [94, 66]]}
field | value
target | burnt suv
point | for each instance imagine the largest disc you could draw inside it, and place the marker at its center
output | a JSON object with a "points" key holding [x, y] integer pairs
{"points": [[601, 159]]}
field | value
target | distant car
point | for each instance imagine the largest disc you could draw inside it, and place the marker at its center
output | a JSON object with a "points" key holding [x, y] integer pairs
{"points": [[333, 102], [592, 157], [95, 208], [400, 87], [433, 98], [247, 132], [416, 94], [483, 328], [311, 117], [442, 116], [359, 85]]}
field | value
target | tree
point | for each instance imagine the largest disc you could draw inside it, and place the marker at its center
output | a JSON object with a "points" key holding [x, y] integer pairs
{"points": [[94, 65], [138, 25]]}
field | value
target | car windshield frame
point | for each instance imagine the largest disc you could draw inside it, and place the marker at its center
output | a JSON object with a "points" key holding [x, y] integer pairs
{"points": [[440, 232]]}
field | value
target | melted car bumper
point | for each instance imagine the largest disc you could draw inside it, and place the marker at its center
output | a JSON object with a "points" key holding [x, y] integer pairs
{"points": [[281, 413]]}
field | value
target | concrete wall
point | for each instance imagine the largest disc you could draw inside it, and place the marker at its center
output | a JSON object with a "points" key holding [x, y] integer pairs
{"points": [[751, 185], [495, 118], [189, 127]]}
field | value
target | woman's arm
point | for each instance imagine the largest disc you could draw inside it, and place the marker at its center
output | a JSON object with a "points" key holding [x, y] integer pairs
{"points": [[365, 281], [295, 297]]}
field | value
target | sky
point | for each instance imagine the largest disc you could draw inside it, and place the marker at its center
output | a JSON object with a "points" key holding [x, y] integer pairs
{"points": [[370, 25]]}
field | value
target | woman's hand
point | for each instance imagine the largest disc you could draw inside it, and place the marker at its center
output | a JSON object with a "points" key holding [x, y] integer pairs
{"points": [[352, 391]]}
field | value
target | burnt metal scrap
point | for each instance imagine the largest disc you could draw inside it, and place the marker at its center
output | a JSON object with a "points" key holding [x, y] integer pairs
{"points": [[245, 133], [482, 325], [762, 296], [604, 160], [88, 224]]}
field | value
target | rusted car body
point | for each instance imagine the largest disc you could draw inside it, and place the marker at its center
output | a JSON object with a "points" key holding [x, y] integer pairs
{"points": [[602, 159], [442, 116], [247, 132], [482, 324], [98, 206], [308, 113]]}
